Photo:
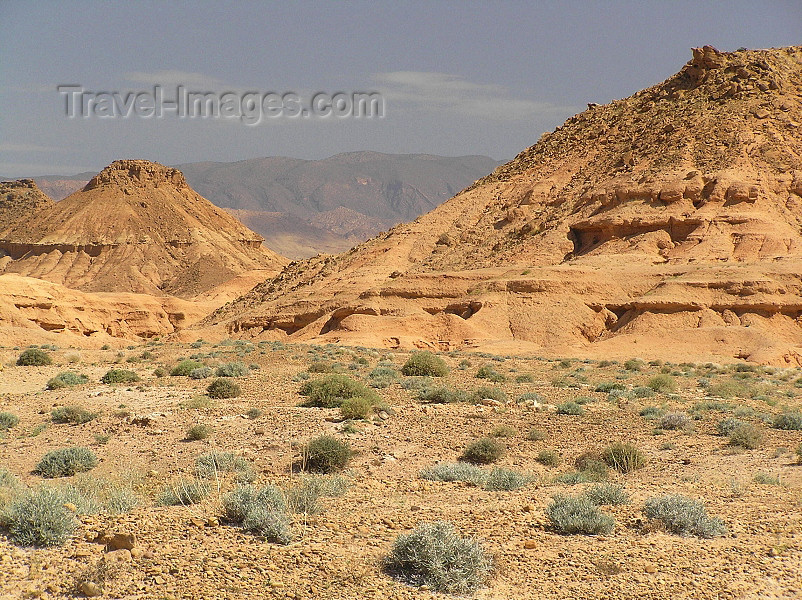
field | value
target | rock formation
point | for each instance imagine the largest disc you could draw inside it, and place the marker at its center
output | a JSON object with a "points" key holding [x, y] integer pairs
{"points": [[667, 224], [135, 227]]}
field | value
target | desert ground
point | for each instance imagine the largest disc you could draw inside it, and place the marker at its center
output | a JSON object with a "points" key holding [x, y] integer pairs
{"points": [[145, 546]]}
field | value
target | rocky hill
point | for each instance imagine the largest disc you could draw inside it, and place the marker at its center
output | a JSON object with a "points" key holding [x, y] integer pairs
{"points": [[666, 224], [302, 207], [137, 227], [19, 200]]}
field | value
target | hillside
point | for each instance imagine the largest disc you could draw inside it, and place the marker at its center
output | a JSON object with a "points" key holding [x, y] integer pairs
{"points": [[665, 224], [302, 207], [19, 200], [135, 227]]}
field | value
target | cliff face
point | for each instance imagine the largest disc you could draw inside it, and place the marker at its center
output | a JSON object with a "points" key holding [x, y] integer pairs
{"points": [[665, 224], [135, 227]]}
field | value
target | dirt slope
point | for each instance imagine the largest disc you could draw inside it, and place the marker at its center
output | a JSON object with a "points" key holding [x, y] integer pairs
{"points": [[665, 224], [135, 227]]}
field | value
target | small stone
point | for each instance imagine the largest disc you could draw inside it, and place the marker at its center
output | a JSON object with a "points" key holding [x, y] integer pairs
{"points": [[71, 507], [137, 553], [197, 522], [650, 569], [212, 522], [153, 473], [530, 544], [120, 541], [761, 113], [90, 589], [529, 507], [118, 556]]}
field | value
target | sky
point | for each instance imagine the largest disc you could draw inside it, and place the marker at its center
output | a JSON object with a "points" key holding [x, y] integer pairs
{"points": [[455, 77]]}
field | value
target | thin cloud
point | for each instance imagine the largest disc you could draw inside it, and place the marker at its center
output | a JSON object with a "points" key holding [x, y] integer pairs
{"points": [[444, 91]]}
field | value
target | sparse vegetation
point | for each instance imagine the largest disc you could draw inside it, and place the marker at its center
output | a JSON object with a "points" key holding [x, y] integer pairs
{"points": [[623, 457], [184, 492], [489, 373], [34, 357], [570, 408], [119, 376], [746, 436], [223, 388], [674, 421], [8, 420], [425, 364], [262, 511], [66, 461], [790, 421], [483, 451], [607, 494], [436, 556], [74, 415], [185, 367], [232, 369], [549, 458], [683, 516], [66, 379], [356, 408], [198, 432], [330, 391], [38, 518], [663, 384], [442, 395], [325, 454], [578, 515]]}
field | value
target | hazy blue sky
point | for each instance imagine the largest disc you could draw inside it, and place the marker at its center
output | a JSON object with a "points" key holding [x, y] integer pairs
{"points": [[458, 77]]}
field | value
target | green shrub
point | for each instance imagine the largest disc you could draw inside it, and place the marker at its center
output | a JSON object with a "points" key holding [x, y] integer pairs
{"points": [[728, 389], [578, 515], [549, 458], [159, 372], [39, 518], [119, 376], [642, 391], [436, 556], [184, 492], [262, 511], [201, 373], [607, 494], [535, 435], [489, 393], [489, 373], [425, 364], [185, 367], [790, 421], [675, 420], [483, 451], [34, 357], [75, 415], [524, 378], [683, 516], [746, 436], [459, 471], [570, 408], [505, 480], [633, 364], [766, 478], [530, 398], [331, 390], [66, 461], [623, 457], [442, 395], [321, 366], [232, 369], [198, 432], [223, 388], [325, 454], [66, 379], [663, 384], [356, 408], [609, 386], [8, 420], [503, 431], [726, 426]]}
